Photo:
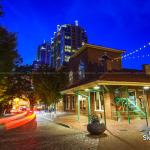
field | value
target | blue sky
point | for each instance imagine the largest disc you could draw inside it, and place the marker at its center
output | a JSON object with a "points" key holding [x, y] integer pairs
{"points": [[121, 24]]}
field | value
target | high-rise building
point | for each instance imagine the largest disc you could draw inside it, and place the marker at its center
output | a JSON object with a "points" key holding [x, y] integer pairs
{"points": [[43, 55], [66, 41]]}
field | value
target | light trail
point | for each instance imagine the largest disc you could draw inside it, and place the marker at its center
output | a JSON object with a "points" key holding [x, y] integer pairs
{"points": [[8, 119], [20, 122]]}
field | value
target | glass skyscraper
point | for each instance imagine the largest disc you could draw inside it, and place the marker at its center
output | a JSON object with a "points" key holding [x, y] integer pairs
{"points": [[43, 55], [66, 41]]}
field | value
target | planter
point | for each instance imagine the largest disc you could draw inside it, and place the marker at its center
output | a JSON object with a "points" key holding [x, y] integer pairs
{"points": [[96, 128]]}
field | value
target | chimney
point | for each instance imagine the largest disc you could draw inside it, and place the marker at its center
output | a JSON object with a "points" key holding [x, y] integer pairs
{"points": [[146, 69]]}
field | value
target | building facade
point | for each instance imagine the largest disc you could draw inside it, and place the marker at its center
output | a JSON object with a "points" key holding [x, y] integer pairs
{"points": [[66, 41], [98, 84], [43, 55]]}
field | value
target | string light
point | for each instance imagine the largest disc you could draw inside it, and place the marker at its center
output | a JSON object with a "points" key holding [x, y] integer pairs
{"points": [[138, 57], [129, 55]]}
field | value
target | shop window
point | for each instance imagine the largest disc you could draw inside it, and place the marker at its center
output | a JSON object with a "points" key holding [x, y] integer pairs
{"points": [[67, 102], [73, 102], [99, 102], [132, 98], [82, 100], [82, 105]]}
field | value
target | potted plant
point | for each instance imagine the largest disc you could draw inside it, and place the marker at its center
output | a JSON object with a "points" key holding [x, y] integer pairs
{"points": [[95, 127]]}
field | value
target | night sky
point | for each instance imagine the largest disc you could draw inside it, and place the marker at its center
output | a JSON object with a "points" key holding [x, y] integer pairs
{"points": [[121, 24]]}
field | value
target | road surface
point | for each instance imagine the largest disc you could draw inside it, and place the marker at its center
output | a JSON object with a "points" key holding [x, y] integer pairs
{"points": [[43, 134]]}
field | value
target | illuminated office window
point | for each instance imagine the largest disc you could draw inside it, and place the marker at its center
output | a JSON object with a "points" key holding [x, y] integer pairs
{"points": [[74, 50], [67, 58], [67, 37], [67, 50]]}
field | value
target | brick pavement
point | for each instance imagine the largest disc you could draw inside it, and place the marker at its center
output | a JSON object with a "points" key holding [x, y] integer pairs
{"points": [[119, 135], [72, 121]]}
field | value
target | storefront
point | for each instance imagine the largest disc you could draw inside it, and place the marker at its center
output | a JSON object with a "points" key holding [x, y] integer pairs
{"points": [[99, 85], [117, 102]]}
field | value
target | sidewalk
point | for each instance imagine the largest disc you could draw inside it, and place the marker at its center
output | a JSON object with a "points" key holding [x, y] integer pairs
{"points": [[70, 120], [112, 125], [119, 135]]}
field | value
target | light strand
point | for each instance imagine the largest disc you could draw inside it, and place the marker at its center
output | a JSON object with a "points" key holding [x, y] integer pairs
{"points": [[129, 55]]}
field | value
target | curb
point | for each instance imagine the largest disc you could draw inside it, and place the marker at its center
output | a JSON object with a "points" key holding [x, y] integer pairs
{"points": [[64, 125]]}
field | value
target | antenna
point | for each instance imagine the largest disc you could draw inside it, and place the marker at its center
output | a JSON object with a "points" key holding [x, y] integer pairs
{"points": [[76, 23]]}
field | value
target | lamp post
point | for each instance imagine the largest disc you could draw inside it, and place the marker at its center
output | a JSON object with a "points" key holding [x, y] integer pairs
{"points": [[145, 103]]}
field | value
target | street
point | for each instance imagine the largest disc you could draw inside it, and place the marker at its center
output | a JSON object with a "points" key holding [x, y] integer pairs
{"points": [[43, 134]]}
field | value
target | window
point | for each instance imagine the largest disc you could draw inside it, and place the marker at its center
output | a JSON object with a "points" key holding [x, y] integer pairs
{"points": [[132, 98], [71, 77], [68, 50], [67, 37], [67, 102], [81, 70], [73, 103], [74, 50], [67, 42], [67, 58], [99, 102]]}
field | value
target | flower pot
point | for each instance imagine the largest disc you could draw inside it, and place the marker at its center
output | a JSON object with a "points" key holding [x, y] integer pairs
{"points": [[96, 128]]}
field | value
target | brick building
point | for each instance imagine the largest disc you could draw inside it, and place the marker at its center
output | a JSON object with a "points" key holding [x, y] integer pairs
{"points": [[98, 84]]}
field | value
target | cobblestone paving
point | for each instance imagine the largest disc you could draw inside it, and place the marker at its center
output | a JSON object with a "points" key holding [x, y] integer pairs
{"points": [[45, 135]]}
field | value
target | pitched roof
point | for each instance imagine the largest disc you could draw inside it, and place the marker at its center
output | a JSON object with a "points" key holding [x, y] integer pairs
{"points": [[83, 48]]}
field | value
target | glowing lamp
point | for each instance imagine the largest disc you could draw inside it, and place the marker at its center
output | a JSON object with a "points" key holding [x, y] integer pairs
{"points": [[146, 87], [96, 87], [86, 90]]}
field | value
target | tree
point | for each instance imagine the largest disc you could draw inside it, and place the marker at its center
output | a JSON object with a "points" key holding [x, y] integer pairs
{"points": [[19, 84], [8, 54], [48, 83], [9, 58]]}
